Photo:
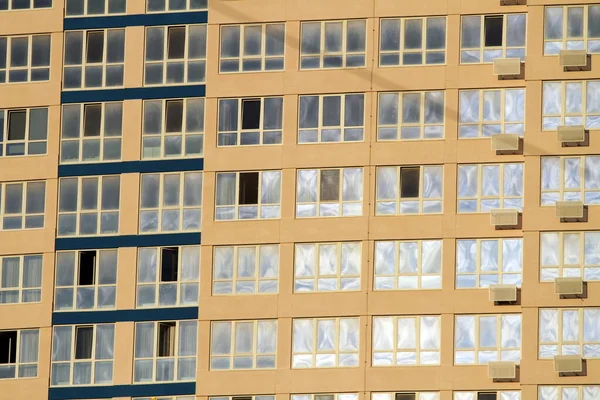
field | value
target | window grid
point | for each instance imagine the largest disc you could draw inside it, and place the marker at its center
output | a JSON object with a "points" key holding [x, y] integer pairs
{"points": [[168, 398], [569, 331], [23, 291], [426, 348], [418, 395], [394, 123], [346, 270], [506, 51], [500, 395], [34, 141], [324, 396], [572, 392], [269, 133], [502, 199], [28, 72], [268, 62], [256, 397], [268, 206], [570, 37], [486, 123], [571, 179], [84, 8], [9, 5], [578, 104], [241, 279], [24, 213], [569, 254], [158, 6], [26, 360], [347, 58], [387, 57], [424, 274]]}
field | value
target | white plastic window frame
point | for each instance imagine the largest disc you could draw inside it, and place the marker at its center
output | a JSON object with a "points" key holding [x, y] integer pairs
{"points": [[32, 5], [325, 396], [22, 368], [268, 63], [254, 397], [568, 392], [500, 394], [585, 112], [561, 38], [570, 322], [22, 290], [569, 254], [29, 144], [418, 395], [10, 217], [190, 5], [109, 8], [5, 64], [166, 398], [584, 187]]}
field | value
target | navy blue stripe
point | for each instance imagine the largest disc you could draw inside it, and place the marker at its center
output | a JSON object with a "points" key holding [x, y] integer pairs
{"points": [[113, 242], [121, 21], [107, 392], [140, 93], [138, 315], [129, 167]]}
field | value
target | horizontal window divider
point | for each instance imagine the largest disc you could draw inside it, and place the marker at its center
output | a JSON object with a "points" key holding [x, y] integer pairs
{"points": [[112, 242], [121, 21], [131, 167], [134, 315], [107, 392], [139, 93]]}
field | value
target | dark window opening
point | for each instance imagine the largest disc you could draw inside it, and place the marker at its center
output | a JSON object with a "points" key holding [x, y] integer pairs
{"points": [[486, 396], [493, 30], [84, 338], [241, 398], [95, 47], [16, 124], [248, 188], [409, 182], [174, 115], [87, 268], [168, 267], [251, 114], [330, 185], [92, 119], [324, 397], [166, 339], [176, 45], [406, 396], [8, 347]]}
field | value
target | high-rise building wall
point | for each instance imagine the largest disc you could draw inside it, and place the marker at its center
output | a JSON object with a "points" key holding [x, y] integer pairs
{"points": [[299, 200]]}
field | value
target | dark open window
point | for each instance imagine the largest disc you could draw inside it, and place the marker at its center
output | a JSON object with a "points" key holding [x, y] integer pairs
{"points": [[493, 30], [84, 339], [95, 47], [166, 339], [330, 185], [251, 114], [168, 266], [486, 396], [176, 45], [409, 182], [92, 119], [8, 347], [174, 115], [406, 396], [324, 397], [87, 268], [248, 188], [17, 120]]}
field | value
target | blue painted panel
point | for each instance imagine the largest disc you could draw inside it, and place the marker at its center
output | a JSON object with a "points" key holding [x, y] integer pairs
{"points": [[140, 93], [107, 392], [113, 242], [128, 167], [121, 21], [112, 316]]}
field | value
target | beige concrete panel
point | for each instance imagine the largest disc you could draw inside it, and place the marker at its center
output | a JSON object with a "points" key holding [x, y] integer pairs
{"points": [[478, 225], [480, 7], [306, 305], [134, 56], [392, 379], [129, 212], [477, 301], [243, 158], [404, 227], [237, 383], [20, 22], [541, 294], [240, 232], [132, 130], [477, 76], [392, 8], [410, 152], [402, 302], [239, 307], [28, 240], [136, 7], [475, 377], [548, 68], [324, 229], [324, 380], [541, 372], [545, 143], [123, 361], [245, 11], [531, 3], [409, 78], [126, 278], [480, 151], [544, 219], [334, 9], [531, 190], [326, 155]]}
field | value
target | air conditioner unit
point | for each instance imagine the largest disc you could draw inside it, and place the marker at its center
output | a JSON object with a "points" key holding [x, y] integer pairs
{"points": [[571, 134], [569, 209], [568, 286], [505, 142], [507, 67], [502, 370], [572, 58], [503, 293], [511, 2], [568, 364], [503, 217]]}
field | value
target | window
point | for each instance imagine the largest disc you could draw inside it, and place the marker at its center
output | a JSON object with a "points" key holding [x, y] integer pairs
{"points": [[411, 116], [484, 113], [325, 396], [484, 262], [246, 269], [499, 395], [422, 41], [569, 331], [166, 398], [325, 342], [14, 5], [175, 6], [409, 190], [175, 55], [248, 397], [327, 267], [24, 58], [168, 276], [26, 132], [91, 132], [406, 396], [331, 118], [482, 187], [329, 192], [333, 44], [570, 179], [250, 121], [572, 28], [257, 47], [570, 254], [86, 280], [94, 59], [568, 392], [404, 340], [243, 344], [82, 355], [165, 351], [24, 205], [173, 128], [171, 202], [486, 37], [21, 279], [19, 353], [248, 195], [570, 103], [84, 8], [404, 265], [89, 205], [479, 339]]}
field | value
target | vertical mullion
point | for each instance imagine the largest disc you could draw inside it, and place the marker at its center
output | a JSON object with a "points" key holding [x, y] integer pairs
{"points": [[480, 101], [504, 33], [401, 22], [422, 115], [238, 136], [263, 46]]}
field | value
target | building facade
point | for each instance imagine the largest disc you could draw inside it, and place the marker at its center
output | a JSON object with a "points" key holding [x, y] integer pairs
{"points": [[299, 199]]}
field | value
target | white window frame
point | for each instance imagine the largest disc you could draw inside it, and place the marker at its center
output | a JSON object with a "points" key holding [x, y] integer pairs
{"points": [[23, 215], [325, 396], [566, 392], [552, 46], [577, 327], [21, 367], [188, 7], [418, 395], [500, 394], [10, 7], [29, 68], [27, 142], [575, 255], [22, 289], [107, 8], [263, 57], [550, 193], [241, 397], [584, 110]]}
